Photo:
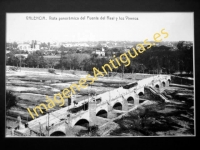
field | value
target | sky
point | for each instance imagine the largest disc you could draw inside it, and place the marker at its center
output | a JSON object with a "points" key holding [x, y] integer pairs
{"points": [[180, 26]]}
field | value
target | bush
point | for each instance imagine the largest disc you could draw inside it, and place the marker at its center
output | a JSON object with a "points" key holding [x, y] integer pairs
{"points": [[13, 68], [11, 100], [51, 70], [73, 72], [91, 131]]}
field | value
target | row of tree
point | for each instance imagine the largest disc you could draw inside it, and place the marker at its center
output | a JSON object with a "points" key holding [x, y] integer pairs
{"points": [[34, 59], [162, 59], [154, 60]]}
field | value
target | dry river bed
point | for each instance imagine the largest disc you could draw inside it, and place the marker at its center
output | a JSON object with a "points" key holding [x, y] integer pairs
{"points": [[152, 118], [31, 88]]}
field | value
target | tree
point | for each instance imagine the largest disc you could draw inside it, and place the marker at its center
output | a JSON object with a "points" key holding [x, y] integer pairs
{"points": [[62, 60], [32, 60], [43, 45], [142, 68], [134, 66], [185, 56], [11, 100], [122, 67], [86, 64], [21, 59], [49, 45], [62, 48], [35, 59], [12, 60], [50, 63], [14, 44], [79, 59]]}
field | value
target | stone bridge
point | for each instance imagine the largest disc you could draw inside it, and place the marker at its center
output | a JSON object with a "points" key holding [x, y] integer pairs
{"points": [[100, 105]]}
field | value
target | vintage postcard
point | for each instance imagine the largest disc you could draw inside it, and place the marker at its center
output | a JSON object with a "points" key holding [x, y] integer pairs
{"points": [[100, 74]]}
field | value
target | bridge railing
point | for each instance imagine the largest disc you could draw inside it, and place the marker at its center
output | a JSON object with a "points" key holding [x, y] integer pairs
{"points": [[79, 113]]}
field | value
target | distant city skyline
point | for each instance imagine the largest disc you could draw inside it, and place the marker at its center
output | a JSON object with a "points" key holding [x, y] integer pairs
{"points": [[21, 27]]}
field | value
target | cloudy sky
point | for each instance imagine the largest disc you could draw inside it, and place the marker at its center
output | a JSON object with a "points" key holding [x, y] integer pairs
{"points": [[180, 26]]}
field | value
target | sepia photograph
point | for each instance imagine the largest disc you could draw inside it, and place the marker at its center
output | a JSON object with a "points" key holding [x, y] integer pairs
{"points": [[100, 74]]}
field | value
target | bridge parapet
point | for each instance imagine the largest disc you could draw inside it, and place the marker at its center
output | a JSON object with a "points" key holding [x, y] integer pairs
{"points": [[78, 114]]}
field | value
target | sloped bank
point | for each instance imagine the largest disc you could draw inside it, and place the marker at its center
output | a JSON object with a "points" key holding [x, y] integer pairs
{"points": [[157, 119]]}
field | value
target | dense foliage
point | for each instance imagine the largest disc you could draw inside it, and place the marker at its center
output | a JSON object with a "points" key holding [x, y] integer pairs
{"points": [[11, 100], [51, 70], [157, 59]]}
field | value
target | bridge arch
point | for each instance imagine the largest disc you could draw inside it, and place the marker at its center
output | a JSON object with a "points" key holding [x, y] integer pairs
{"points": [[157, 86], [169, 81], [141, 93], [130, 100], [82, 122], [117, 106], [163, 84], [102, 113], [58, 133]]}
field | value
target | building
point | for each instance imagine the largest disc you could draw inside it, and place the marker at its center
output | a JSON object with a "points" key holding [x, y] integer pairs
{"points": [[34, 46], [55, 45], [68, 45], [75, 45], [100, 53], [37, 47], [25, 47]]}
